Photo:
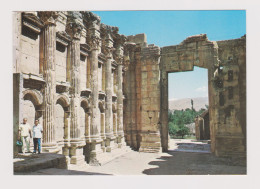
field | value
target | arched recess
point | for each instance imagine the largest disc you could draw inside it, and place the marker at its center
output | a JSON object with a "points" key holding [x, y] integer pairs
{"points": [[114, 110], [62, 119], [32, 105], [85, 119], [102, 119]]}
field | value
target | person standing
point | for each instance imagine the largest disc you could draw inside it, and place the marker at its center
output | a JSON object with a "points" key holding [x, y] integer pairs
{"points": [[25, 135], [37, 135]]}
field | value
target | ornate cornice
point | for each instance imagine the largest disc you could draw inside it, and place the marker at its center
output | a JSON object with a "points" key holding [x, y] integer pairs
{"points": [[119, 40], [90, 18], [63, 38], [32, 22], [48, 17], [74, 27], [106, 29]]}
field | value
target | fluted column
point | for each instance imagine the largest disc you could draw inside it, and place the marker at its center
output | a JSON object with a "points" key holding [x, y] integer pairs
{"points": [[95, 41], [109, 91], [120, 98], [49, 68], [74, 30]]}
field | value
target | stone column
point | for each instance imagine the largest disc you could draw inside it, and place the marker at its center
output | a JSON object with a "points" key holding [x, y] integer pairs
{"points": [[164, 110], [130, 92], [95, 134], [17, 31], [132, 97], [49, 68], [109, 92], [120, 131], [120, 99], [93, 39], [74, 29], [150, 100], [108, 110]]}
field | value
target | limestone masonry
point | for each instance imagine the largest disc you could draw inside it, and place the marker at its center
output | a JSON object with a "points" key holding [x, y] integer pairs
{"points": [[96, 91]]}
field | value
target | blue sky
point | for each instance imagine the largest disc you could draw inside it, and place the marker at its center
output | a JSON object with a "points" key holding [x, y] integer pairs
{"points": [[164, 28]]}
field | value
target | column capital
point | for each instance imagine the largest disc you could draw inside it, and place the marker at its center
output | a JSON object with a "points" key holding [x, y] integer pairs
{"points": [[119, 60], [48, 17], [120, 40], [94, 42], [90, 18], [74, 27], [108, 51]]}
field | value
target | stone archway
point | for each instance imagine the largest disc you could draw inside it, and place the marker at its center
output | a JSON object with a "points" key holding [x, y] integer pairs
{"points": [[226, 65], [32, 102], [193, 51]]}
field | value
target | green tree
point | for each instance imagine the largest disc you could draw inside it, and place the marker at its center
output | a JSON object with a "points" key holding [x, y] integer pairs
{"points": [[179, 118], [173, 129], [183, 130]]}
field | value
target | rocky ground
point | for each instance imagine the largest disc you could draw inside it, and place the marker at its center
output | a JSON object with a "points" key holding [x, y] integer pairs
{"points": [[185, 157]]}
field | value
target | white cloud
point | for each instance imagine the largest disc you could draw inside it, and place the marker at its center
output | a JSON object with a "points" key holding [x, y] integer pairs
{"points": [[202, 89]]}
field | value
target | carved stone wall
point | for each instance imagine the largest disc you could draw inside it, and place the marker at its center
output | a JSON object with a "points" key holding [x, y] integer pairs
{"points": [[110, 89], [59, 78]]}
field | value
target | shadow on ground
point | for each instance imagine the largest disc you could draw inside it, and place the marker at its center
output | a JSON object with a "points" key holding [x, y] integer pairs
{"points": [[192, 163], [55, 171]]}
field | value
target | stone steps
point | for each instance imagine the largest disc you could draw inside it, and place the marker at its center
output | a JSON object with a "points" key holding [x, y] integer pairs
{"points": [[150, 149], [34, 162]]}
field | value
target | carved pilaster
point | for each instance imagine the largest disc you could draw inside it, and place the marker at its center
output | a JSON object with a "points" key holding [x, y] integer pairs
{"points": [[49, 69], [131, 126]]}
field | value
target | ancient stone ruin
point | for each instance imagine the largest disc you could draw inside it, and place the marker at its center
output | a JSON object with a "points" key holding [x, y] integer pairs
{"points": [[202, 126], [95, 90]]}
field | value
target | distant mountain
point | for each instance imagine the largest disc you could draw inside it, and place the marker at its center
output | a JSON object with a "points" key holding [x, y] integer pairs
{"points": [[184, 103]]}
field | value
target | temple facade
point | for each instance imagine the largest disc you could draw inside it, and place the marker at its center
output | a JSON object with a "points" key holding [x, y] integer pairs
{"points": [[96, 91]]}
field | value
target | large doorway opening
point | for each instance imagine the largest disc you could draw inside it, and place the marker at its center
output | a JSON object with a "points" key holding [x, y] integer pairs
{"points": [[188, 110]]}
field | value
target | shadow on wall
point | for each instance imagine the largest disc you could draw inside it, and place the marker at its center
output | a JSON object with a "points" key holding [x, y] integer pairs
{"points": [[187, 163]]}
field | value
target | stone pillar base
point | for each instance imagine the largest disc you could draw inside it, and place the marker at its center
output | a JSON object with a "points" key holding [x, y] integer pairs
{"points": [[66, 153], [76, 154], [93, 150], [110, 144], [150, 142], [128, 140], [121, 141], [50, 148]]}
